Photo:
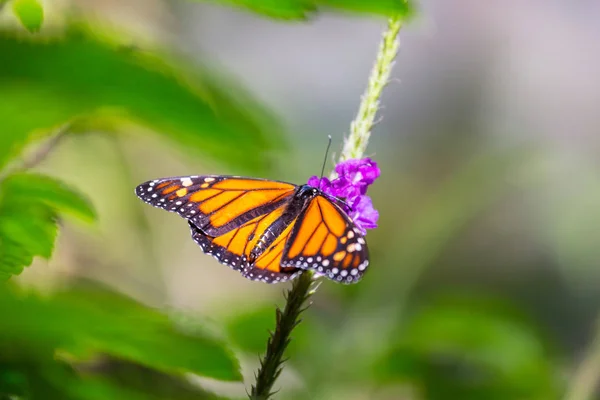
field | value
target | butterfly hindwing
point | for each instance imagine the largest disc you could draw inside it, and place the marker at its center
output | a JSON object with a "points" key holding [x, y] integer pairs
{"points": [[216, 204], [220, 253], [326, 240], [234, 247], [267, 266]]}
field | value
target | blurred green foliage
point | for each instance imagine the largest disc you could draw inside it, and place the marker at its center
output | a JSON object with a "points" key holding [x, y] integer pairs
{"points": [[93, 82], [80, 325], [301, 9], [84, 341], [451, 347], [29, 207], [30, 13], [87, 342], [470, 347]]}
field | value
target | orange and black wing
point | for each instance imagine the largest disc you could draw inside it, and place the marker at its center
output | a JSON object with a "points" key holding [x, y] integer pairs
{"points": [[216, 204], [233, 248], [267, 266], [326, 240]]}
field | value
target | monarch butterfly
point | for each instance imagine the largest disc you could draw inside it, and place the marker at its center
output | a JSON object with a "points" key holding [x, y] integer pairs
{"points": [[268, 230]]}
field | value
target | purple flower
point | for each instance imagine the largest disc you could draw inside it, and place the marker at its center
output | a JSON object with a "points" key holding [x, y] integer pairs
{"points": [[354, 178], [344, 188], [363, 214], [357, 174]]}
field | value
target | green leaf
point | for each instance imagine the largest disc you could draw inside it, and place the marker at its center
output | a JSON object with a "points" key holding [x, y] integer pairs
{"points": [[91, 80], [29, 206], [31, 227], [97, 389], [55, 380], [471, 348], [30, 13], [152, 384], [40, 374], [89, 319], [403, 8], [13, 258], [300, 9], [35, 188], [25, 377]]}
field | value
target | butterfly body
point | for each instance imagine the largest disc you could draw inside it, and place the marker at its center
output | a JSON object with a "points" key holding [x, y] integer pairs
{"points": [[298, 202], [269, 231]]}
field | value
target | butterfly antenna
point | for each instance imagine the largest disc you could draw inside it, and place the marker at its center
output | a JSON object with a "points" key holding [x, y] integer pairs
{"points": [[325, 159]]}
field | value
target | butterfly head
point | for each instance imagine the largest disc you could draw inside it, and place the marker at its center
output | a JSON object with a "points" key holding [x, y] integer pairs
{"points": [[307, 192]]}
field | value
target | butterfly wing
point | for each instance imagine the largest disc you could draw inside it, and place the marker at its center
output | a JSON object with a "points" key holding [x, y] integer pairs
{"points": [[233, 248], [267, 267], [222, 254], [326, 240], [216, 204]]}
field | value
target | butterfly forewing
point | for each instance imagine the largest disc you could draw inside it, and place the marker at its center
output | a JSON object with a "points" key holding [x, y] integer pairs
{"points": [[326, 240], [216, 204]]}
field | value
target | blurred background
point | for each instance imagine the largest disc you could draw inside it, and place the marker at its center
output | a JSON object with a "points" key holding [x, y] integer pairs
{"points": [[484, 272]]}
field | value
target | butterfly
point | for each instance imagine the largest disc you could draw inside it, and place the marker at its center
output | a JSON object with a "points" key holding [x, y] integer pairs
{"points": [[270, 231]]}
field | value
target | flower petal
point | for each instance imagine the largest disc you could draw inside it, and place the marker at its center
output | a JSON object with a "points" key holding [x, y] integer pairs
{"points": [[364, 215]]}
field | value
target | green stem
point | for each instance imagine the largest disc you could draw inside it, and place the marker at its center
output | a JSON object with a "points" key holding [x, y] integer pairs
{"points": [[39, 155], [360, 129], [354, 147], [285, 322]]}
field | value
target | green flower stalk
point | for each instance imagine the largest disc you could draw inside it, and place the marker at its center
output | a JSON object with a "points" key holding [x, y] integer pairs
{"points": [[305, 286], [360, 129]]}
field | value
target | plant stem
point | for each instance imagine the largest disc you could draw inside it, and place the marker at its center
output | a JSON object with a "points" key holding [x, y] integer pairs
{"points": [[586, 378], [354, 147], [360, 129], [44, 151], [39, 155], [285, 322]]}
